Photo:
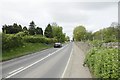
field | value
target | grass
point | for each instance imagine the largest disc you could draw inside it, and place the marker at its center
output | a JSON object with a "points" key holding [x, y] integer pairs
{"points": [[27, 48]]}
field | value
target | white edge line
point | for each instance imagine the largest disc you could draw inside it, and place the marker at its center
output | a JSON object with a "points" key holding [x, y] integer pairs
{"points": [[15, 70], [25, 56], [34, 63], [67, 64]]}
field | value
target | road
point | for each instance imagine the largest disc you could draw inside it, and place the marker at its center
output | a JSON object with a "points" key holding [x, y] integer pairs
{"points": [[50, 63]]}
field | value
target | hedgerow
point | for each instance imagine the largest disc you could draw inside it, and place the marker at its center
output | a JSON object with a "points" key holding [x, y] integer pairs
{"points": [[103, 63], [10, 41], [38, 39]]}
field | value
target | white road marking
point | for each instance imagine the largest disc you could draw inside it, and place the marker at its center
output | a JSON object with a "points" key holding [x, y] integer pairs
{"points": [[34, 63], [15, 70], [67, 64], [25, 56]]}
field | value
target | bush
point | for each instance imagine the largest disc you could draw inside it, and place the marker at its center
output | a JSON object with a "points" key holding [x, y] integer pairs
{"points": [[103, 63], [50, 40], [10, 41], [38, 39], [22, 34], [32, 39], [109, 40], [97, 43]]}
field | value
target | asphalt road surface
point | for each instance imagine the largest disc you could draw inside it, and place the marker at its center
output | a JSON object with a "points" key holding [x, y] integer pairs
{"points": [[49, 63]]}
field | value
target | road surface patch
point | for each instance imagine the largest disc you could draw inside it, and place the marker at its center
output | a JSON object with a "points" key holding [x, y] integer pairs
{"points": [[67, 64], [34, 63]]}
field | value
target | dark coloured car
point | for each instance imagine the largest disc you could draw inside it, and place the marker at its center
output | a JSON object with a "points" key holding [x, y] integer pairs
{"points": [[57, 45]]}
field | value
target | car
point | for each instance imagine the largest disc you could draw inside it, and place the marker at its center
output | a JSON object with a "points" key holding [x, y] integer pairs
{"points": [[57, 45]]}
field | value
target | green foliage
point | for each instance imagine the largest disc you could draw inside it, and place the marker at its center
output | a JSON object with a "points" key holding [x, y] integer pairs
{"points": [[22, 34], [10, 41], [27, 48], [96, 43], [14, 36], [109, 34], [33, 39], [24, 28], [67, 38], [58, 33], [79, 33], [39, 31], [32, 28], [38, 39], [88, 36], [48, 31], [11, 29], [103, 63]]}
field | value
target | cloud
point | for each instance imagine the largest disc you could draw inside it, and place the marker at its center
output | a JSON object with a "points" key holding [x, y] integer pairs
{"points": [[68, 16], [93, 15], [62, 0], [95, 5], [76, 12]]}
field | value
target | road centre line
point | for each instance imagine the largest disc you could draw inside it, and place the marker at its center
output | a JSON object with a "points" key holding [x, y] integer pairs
{"points": [[15, 70]]}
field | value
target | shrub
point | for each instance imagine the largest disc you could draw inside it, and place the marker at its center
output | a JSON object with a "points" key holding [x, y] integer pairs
{"points": [[50, 40], [109, 40], [32, 39], [22, 34], [97, 43], [103, 63], [11, 41], [38, 39]]}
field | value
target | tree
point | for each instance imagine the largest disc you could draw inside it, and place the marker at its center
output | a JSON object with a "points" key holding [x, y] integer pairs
{"points": [[79, 33], [4, 28], [62, 39], [32, 28], [108, 34], [39, 31], [48, 31], [16, 28], [89, 36], [67, 38], [58, 32], [54, 24], [11, 29], [24, 28], [19, 28]]}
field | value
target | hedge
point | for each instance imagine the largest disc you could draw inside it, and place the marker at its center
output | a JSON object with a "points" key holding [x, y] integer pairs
{"points": [[10, 41], [103, 63], [38, 39]]}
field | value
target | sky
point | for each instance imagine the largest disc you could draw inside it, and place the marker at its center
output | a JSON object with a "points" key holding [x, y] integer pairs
{"points": [[93, 14]]}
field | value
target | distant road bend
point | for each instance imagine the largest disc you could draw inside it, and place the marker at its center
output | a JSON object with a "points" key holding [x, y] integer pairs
{"points": [[49, 63]]}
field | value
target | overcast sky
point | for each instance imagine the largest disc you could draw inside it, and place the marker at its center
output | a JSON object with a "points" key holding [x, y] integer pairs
{"points": [[93, 14]]}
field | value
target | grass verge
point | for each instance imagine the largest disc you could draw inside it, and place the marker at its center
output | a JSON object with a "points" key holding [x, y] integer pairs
{"points": [[27, 48]]}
